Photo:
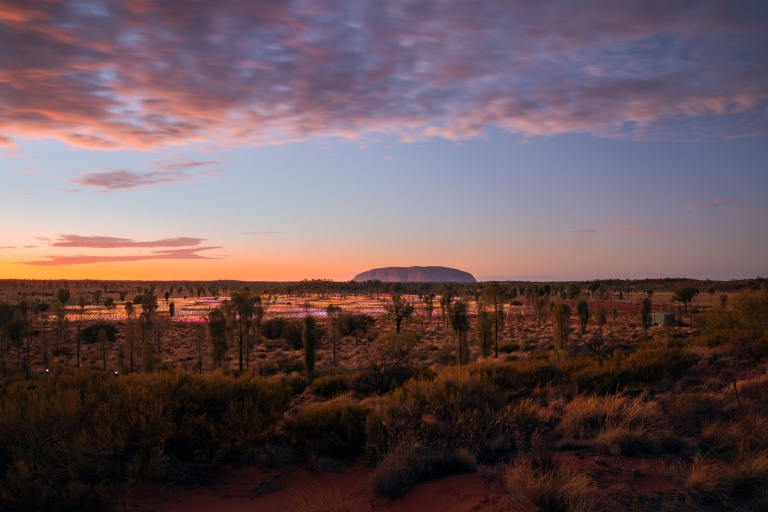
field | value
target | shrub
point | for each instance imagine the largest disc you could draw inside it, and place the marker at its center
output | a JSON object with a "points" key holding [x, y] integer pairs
{"points": [[617, 424], [265, 368], [292, 333], [549, 488], [334, 428], [410, 463], [455, 410], [330, 385], [91, 333], [272, 329], [508, 348], [704, 481], [66, 441]]}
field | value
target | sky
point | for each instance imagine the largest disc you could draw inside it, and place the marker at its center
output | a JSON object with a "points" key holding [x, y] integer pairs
{"points": [[265, 140]]}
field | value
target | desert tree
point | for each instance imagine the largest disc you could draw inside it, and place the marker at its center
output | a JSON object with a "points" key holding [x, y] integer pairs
{"points": [[102, 340], [494, 296], [81, 303], [458, 318], [601, 317], [387, 356], [582, 311], [572, 291], [239, 310], [541, 307], [217, 329], [483, 331], [200, 338], [333, 312], [645, 315], [685, 295], [429, 307], [446, 298], [601, 295], [399, 309], [6, 317], [561, 322], [129, 312], [310, 338]]}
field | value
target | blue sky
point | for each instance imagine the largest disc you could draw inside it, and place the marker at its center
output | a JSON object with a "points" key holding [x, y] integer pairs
{"points": [[320, 139]]}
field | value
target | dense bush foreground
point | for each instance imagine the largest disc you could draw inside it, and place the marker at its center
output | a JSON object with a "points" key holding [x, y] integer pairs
{"points": [[69, 441]]}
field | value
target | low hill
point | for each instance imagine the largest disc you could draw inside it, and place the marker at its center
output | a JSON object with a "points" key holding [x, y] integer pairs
{"points": [[416, 275]]}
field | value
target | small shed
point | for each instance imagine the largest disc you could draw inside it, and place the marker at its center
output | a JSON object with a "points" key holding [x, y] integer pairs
{"points": [[663, 318]]}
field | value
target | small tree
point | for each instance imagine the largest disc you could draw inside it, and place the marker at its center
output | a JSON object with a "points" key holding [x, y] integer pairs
{"points": [[239, 311], [399, 309], [387, 356], [483, 331], [459, 321], [685, 295], [102, 340], [310, 337], [561, 323], [495, 297], [129, 311], [601, 318], [217, 328], [645, 314], [582, 310], [333, 312]]}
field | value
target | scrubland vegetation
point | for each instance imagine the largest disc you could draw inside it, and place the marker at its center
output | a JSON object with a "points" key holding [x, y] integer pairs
{"points": [[552, 400]]}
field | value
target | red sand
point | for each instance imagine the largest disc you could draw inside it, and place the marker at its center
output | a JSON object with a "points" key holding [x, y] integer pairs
{"points": [[236, 487]]}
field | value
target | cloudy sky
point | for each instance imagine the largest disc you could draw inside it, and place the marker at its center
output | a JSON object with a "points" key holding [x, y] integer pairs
{"points": [[281, 140]]}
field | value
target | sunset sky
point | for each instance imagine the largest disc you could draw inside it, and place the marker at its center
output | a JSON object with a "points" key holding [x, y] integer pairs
{"points": [[266, 140]]}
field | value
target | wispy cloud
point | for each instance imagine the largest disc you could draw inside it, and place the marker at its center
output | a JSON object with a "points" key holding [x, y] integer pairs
{"points": [[9, 247], [108, 242], [128, 180], [713, 204], [170, 254], [260, 232], [258, 72], [619, 228], [633, 230], [69, 190]]}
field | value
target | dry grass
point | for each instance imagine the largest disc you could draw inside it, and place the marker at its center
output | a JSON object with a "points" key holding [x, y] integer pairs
{"points": [[322, 500], [587, 416], [551, 489], [704, 481], [410, 463]]}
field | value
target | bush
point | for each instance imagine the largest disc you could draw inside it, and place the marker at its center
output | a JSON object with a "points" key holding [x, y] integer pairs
{"points": [[292, 333], [455, 410], [588, 416], [333, 429], [549, 488], [330, 385], [410, 463], [272, 329], [91, 333], [508, 348], [66, 441]]}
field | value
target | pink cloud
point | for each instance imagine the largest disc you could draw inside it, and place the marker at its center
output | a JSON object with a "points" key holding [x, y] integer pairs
{"points": [[128, 180], [713, 204], [170, 254], [108, 242], [237, 72]]}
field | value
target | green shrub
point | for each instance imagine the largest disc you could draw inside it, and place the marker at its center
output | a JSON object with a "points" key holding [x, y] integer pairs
{"points": [[330, 385], [333, 429]]}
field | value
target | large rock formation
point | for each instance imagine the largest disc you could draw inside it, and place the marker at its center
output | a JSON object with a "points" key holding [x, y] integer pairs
{"points": [[416, 275]]}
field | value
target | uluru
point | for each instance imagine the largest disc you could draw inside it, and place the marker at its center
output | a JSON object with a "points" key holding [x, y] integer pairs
{"points": [[416, 275]]}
